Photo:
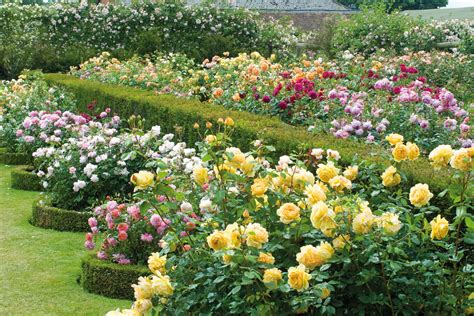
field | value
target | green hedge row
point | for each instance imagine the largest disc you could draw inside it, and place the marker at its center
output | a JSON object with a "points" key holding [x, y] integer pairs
{"points": [[46, 216], [23, 178], [177, 115], [8, 158], [110, 279]]}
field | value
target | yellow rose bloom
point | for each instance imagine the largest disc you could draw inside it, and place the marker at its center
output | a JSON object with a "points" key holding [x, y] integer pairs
{"points": [[314, 194], [218, 240], [288, 213], [327, 172], [470, 309], [157, 264], [420, 195], [363, 222], [266, 258], [234, 235], [302, 178], [389, 222], [462, 159], [440, 156], [259, 187], [322, 218], [298, 278], [390, 177], [439, 227], [271, 277], [210, 139], [256, 235], [200, 175], [325, 292], [351, 172], [248, 167], [227, 258], [161, 285], [413, 151], [340, 241], [142, 180], [144, 288], [312, 257], [400, 152], [339, 183], [229, 121], [394, 139], [142, 306], [238, 158]]}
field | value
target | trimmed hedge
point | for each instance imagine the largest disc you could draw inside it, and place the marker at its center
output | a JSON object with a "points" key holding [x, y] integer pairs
{"points": [[8, 158], [110, 279], [177, 115], [23, 178], [46, 216]]}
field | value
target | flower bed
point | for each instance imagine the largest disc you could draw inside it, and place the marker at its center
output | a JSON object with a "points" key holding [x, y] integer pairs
{"points": [[23, 178], [46, 216], [173, 111], [109, 279]]}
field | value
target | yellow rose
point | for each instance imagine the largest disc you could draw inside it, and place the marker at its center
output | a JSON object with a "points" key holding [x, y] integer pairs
{"points": [[339, 183], [312, 257], [229, 121], [144, 288], [271, 277], [218, 240], [439, 227], [227, 258], [351, 172], [161, 285], [394, 139], [156, 263], [400, 152], [420, 195], [210, 139], [288, 213], [325, 292], [363, 222], [248, 167], [340, 241], [462, 159], [142, 180], [200, 175], [234, 235], [314, 194], [470, 309], [256, 235], [390, 177], [266, 258], [259, 187], [389, 222], [440, 156], [323, 218], [326, 172], [142, 306], [302, 178], [238, 158], [413, 151], [298, 278]]}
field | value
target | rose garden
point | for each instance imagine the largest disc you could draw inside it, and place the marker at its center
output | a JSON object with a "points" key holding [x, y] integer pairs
{"points": [[166, 159]]}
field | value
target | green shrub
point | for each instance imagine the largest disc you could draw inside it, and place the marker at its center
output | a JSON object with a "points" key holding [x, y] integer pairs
{"points": [[110, 279], [8, 158], [46, 216], [176, 115], [23, 178]]}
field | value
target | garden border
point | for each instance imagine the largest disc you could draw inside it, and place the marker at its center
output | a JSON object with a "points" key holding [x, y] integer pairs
{"points": [[22, 178], [178, 115], [46, 216], [110, 279], [8, 158]]}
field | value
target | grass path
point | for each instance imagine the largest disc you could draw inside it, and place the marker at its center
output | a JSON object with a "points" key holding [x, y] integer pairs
{"points": [[39, 267]]}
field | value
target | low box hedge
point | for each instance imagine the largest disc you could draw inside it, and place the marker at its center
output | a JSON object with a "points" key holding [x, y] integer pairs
{"points": [[46, 216], [23, 178], [8, 158], [110, 279], [177, 115]]}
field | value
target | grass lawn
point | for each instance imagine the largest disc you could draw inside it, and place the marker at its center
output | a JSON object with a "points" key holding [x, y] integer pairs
{"points": [[39, 267], [443, 14]]}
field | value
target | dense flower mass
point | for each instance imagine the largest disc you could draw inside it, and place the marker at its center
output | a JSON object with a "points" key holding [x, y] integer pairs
{"points": [[369, 99]]}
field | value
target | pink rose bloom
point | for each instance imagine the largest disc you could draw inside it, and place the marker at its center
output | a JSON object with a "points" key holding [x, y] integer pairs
{"points": [[146, 237]]}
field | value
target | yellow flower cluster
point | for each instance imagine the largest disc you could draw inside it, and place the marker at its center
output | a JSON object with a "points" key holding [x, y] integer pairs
{"points": [[401, 151], [254, 235], [460, 159]]}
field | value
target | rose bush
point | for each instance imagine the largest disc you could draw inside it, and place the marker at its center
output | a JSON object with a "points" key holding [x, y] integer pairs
{"points": [[306, 235]]}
